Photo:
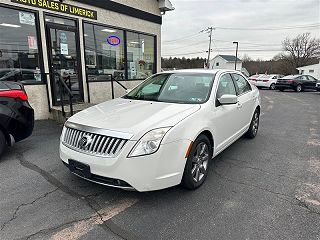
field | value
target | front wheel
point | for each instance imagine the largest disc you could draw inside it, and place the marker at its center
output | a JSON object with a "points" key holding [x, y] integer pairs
{"points": [[196, 169], [272, 86], [254, 125], [298, 88], [2, 142]]}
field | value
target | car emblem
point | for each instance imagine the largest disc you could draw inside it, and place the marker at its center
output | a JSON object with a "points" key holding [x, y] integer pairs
{"points": [[85, 141]]}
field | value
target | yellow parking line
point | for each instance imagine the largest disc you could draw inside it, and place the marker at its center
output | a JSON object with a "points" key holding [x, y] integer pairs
{"points": [[82, 227]]}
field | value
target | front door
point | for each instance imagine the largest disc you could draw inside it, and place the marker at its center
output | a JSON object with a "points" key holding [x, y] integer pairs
{"points": [[64, 62], [225, 118]]}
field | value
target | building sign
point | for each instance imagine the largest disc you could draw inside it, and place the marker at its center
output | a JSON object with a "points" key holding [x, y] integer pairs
{"points": [[27, 18], [64, 49], [59, 7], [32, 43], [113, 40]]}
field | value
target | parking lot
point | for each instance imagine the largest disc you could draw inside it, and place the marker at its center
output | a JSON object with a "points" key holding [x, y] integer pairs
{"points": [[266, 188]]}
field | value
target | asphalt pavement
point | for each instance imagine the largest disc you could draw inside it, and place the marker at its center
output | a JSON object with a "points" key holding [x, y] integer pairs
{"points": [[266, 188]]}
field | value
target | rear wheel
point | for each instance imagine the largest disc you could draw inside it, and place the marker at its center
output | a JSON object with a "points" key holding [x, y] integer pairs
{"points": [[254, 126], [298, 88], [272, 86], [2, 142], [281, 89], [196, 169]]}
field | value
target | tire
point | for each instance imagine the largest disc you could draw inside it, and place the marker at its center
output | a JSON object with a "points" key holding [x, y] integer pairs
{"points": [[281, 89], [254, 125], [2, 142], [298, 88], [196, 169], [272, 86]]}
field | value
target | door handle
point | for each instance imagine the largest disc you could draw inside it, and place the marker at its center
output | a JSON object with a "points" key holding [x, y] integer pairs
{"points": [[239, 106]]}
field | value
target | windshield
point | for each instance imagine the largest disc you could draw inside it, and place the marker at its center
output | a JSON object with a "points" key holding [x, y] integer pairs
{"points": [[188, 88]]}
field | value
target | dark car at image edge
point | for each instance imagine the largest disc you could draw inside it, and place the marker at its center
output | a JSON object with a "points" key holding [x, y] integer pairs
{"points": [[16, 114], [297, 83]]}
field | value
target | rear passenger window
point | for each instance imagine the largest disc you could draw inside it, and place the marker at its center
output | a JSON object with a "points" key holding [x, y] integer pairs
{"points": [[242, 84]]}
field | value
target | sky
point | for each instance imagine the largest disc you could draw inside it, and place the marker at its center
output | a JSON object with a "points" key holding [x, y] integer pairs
{"points": [[259, 26]]}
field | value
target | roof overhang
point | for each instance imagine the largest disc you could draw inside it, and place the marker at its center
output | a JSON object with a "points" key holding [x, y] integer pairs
{"points": [[124, 9]]}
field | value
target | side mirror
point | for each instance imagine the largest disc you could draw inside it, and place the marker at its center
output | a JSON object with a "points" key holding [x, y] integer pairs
{"points": [[128, 90], [228, 99]]}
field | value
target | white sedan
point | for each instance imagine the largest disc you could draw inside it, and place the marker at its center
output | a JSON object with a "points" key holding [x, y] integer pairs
{"points": [[267, 81], [162, 133]]}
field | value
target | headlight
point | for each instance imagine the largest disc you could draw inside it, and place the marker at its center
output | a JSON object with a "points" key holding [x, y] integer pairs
{"points": [[63, 133], [149, 143]]}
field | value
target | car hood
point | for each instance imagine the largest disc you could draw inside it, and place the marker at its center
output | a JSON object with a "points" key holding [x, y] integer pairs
{"points": [[133, 116]]}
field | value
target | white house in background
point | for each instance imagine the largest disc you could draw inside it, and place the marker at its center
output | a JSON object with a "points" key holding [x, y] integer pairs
{"points": [[225, 62], [312, 70]]}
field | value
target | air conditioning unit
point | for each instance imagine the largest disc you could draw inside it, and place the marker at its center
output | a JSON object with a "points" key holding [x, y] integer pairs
{"points": [[165, 5]]}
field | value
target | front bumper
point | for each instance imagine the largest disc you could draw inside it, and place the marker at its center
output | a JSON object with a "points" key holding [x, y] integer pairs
{"points": [[160, 170]]}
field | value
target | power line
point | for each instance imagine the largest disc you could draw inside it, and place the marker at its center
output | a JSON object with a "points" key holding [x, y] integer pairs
{"points": [[313, 25], [185, 37]]}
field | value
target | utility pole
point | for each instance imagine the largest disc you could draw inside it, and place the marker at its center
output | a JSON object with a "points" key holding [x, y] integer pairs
{"points": [[210, 31], [235, 64], [209, 51]]}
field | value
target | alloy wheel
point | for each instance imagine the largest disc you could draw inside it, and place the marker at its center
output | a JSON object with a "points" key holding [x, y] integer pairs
{"points": [[273, 86], [255, 123], [299, 88], [200, 162]]}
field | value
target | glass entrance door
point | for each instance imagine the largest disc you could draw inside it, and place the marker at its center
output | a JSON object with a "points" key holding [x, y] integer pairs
{"points": [[64, 60]]}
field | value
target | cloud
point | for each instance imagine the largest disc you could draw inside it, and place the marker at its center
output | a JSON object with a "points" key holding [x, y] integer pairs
{"points": [[190, 17]]}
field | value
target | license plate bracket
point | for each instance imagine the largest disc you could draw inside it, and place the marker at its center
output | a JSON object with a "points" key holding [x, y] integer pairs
{"points": [[80, 169]]}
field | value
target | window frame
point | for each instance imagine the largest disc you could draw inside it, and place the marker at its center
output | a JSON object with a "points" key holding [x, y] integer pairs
{"points": [[39, 41], [125, 30], [218, 104], [236, 85]]}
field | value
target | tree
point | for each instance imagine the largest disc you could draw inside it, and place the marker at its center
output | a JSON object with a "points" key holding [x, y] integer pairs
{"points": [[301, 50]]}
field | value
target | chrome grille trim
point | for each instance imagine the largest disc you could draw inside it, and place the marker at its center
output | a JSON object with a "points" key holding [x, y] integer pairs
{"points": [[99, 131], [102, 146]]}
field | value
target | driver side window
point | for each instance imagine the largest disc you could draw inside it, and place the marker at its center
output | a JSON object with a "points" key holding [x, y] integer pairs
{"points": [[226, 86]]}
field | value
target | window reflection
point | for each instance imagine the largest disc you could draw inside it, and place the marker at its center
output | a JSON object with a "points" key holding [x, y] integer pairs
{"points": [[19, 53], [104, 51], [140, 55]]}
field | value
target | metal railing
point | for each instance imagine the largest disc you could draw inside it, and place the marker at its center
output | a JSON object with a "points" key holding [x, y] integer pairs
{"points": [[113, 80], [63, 88]]}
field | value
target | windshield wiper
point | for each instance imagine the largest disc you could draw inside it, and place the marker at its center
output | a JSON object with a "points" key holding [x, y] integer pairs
{"points": [[128, 97]]}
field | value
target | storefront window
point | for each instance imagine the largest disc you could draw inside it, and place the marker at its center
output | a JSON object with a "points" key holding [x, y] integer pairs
{"points": [[104, 51], [140, 52], [19, 49]]}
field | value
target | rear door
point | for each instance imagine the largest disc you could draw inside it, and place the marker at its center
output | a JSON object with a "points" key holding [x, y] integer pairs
{"points": [[311, 82], [246, 101]]}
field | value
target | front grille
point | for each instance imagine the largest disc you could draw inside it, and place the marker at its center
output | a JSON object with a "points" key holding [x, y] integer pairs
{"points": [[93, 144]]}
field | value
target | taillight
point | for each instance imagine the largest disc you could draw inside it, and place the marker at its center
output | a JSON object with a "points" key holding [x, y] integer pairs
{"points": [[16, 94], [265, 80], [290, 81]]}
